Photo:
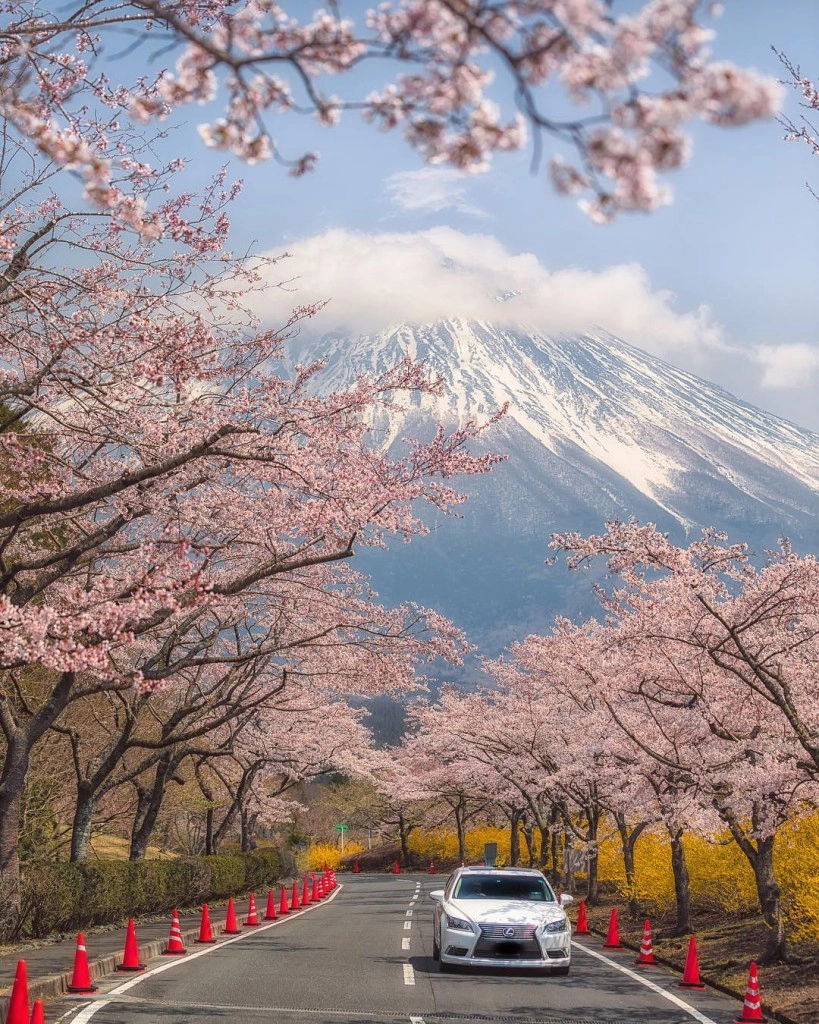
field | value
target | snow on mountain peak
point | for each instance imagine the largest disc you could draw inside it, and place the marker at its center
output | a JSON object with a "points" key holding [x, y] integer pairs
{"points": [[650, 423]]}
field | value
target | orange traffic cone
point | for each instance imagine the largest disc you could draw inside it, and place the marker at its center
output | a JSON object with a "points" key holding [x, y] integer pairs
{"points": [[205, 932], [252, 916], [691, 974], [314, 895], [17, 1012], [294, 899], [646, 957], [270, 912], [305, 893], [356, 868], [613, 936], [432, 867], [283, 907], [752, 1006], [231, 927], [582, 927], [333, 882], [130, 958], [396, 869], [37, 1013], [81, 978], [175, 947]]}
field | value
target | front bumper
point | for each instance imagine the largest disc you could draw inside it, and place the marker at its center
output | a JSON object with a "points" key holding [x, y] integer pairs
{"points": [[530, 950]]}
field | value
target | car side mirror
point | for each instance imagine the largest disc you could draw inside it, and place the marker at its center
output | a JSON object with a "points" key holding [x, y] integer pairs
{"points": [[437, 895], [566, 899]]}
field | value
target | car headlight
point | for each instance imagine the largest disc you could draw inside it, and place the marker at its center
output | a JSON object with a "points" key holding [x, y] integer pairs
{"points": [[459, 923], [557, 926]]}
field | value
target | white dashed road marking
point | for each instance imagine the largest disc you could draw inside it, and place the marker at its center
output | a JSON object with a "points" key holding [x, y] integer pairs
{"points": [[408, 924], [700, 1017], [408, 914], [409, 975], [405, 943], [416, 1020]]}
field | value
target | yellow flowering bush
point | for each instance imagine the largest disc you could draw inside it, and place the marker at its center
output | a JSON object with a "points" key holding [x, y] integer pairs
{"points": [[319, 854]]}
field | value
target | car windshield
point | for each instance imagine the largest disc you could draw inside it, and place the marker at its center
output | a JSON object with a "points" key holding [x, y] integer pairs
{"points": [[503, 887]]}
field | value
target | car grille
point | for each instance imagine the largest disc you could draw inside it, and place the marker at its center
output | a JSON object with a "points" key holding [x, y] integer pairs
{"points": [[493, 944]]}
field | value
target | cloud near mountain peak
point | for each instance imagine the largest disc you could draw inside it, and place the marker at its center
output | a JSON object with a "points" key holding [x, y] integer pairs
{"points": [[374, 281]]}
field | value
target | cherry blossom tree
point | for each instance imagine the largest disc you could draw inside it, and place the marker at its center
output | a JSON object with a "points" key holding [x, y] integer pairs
{"points": [[170, 501], [715, 683], [613, 84]]}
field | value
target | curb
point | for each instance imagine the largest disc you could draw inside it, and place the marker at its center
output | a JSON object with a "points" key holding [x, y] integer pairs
{"points": [[718, 986], [53, 985]]}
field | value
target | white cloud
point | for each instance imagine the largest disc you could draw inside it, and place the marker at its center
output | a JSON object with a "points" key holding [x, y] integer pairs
{"points": [[430, 190], [374, 281], [787, 366]]}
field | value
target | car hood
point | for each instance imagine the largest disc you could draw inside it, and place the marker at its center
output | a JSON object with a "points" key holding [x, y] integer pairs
{"points": [[505, 911]]}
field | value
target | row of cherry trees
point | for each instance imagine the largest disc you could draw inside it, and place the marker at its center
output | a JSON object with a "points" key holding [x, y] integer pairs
{"points": [[693, 707]]}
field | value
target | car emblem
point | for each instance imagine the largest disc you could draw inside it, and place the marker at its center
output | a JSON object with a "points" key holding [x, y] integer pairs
{"points": [[509, 933]]}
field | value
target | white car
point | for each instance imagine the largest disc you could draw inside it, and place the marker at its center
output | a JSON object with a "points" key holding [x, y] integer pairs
{"points": [[501, 917]]}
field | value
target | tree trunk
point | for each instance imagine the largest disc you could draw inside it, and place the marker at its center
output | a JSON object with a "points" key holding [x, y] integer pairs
{"points": [[682, 888], [10, 889], [769, 894], [514, 838], [403, 839], [529, 839], [628, 840], [545, 839], [148, 808], [592, 882], [210, 843], [458, 810], [20, 741], [81, 826]]}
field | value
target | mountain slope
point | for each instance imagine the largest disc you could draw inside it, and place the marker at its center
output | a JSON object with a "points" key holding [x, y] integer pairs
{"points": [[595, 429]]}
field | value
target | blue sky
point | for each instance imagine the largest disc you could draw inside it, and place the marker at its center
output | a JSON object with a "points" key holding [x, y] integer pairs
{"points": [[742, 237]]}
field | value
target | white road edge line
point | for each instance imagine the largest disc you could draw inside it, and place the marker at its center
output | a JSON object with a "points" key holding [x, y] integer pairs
{"points": [[405, 943], [681, 1003], [409, 975], [89, 1011], [408, 924]]}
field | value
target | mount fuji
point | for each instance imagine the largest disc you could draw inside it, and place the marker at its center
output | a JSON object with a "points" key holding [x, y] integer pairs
{"points": [[596, 429]]}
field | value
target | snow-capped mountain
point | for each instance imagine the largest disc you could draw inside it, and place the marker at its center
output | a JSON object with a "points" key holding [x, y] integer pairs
{"points": [[595, 429]]}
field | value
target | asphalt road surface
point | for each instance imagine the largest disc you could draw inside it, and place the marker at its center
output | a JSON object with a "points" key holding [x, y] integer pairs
{"points": [[365, 956]]}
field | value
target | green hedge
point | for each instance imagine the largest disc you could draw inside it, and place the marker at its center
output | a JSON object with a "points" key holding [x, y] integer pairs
{"points": [[60, 897]]}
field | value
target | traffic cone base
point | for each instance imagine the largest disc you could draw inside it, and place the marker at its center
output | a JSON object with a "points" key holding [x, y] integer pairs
{"points": [[613, 935], [81, 978], [130, 958], [691, 974], [17, 1012], [751, 1012], [582, 927]]}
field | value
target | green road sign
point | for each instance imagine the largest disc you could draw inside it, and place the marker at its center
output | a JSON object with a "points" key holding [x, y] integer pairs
{"points": [[341, 828]]}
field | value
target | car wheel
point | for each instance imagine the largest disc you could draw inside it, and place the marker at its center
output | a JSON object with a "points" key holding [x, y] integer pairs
{"points": [[562, 971], [436, 949]]}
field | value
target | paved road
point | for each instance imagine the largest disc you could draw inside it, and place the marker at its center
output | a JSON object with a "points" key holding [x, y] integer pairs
{"points": [[362, 958]]}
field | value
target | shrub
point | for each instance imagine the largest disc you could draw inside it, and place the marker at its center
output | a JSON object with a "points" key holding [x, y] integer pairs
{"points": [[59, 897]]}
